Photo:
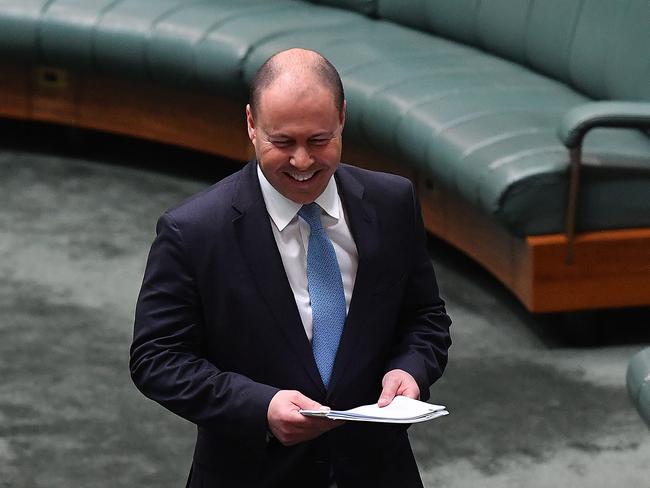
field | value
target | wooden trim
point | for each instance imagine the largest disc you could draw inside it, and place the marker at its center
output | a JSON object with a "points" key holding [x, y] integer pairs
{"points": [[203, 122], [610, 268], [15, 91], [207, 123]]}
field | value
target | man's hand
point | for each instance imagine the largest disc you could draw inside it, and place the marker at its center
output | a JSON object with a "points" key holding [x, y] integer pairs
{"points": [[398, 382], [288, 425]]}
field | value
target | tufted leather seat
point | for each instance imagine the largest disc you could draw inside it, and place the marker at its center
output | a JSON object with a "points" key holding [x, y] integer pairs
{"points": [[468, 93], [638, 383]]}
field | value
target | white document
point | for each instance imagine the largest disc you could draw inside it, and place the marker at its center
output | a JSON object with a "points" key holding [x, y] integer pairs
{"points": [[402, 410]]}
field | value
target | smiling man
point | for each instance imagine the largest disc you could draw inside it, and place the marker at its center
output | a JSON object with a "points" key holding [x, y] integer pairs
{"points": [[295, 283]]}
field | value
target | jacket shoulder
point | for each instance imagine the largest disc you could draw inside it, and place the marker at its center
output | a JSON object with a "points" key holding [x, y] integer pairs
{"points": [[378, 184], [211, 202]]}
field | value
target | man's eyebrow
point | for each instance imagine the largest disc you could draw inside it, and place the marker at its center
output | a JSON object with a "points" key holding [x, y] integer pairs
{"points": [[278, 136], [281, 135]]}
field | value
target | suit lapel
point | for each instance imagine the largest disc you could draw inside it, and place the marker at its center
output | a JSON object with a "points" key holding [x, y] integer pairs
{"points": [[257, 243], [362, 220]]}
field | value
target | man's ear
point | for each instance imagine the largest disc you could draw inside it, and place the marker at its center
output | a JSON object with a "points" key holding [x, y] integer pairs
{"points": [[250, 123], [342, 115]]}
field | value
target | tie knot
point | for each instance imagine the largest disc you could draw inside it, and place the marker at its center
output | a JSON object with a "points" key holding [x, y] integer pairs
{"points": [[311, 214]]}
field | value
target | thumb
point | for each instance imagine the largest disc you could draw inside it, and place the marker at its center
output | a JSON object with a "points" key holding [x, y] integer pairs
{"points": [[389, 391], [305, 402]]}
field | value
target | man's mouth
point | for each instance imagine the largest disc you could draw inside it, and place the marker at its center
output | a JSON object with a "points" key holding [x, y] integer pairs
{"points": [[301, 176]]}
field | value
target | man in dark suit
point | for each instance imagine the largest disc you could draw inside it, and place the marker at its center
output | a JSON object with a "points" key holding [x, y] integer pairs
{"points": [[294, 283]]}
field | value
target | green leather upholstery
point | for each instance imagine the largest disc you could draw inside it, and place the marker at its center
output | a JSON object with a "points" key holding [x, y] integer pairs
{"points": [[638, 383], [453, 20], [626, 68], [481, 125], [472, 94], [579, 120], [367, 7], [220, 56], [18, 29]]}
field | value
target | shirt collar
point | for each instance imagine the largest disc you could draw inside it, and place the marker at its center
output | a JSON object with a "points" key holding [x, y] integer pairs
{"points": [[282, 210]]}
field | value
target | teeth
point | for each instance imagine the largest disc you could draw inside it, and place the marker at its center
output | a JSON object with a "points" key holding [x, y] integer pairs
{"points": [[301, 177]]}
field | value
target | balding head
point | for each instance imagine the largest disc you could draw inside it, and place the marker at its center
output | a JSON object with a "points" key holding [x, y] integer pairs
{"points": [[299, 69]]}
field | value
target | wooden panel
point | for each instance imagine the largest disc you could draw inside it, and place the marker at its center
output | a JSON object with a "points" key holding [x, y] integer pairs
{"points": [[207, 123], [203, 122], [609, 269], [54, 95], [15, 91], [465, 227]]}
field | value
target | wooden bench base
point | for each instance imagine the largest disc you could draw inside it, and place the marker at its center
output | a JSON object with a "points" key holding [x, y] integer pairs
{"points": [[610, 268]]}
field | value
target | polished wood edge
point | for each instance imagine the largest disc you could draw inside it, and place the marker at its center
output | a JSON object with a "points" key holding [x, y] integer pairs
{"points": [[209, 123], [616, 235], [609, 268]]}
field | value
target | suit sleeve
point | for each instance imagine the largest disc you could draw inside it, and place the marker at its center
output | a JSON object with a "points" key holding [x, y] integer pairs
{"points": [[422, 339], [167, 360]]}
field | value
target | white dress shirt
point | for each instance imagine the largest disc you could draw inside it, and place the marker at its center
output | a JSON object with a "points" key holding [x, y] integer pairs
{"points": [[292, 237]]}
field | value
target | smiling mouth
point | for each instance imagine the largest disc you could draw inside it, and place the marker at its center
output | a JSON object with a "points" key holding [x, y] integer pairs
{"points": [[301, 177]]}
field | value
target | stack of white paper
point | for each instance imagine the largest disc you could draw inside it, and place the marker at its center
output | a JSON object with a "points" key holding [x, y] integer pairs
{"points": [[402, 410]]}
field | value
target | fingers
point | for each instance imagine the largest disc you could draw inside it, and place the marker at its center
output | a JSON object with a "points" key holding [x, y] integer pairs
{"points": [[286, 422], [398, 382], [390, 385], [304, 402], [411, 392]]}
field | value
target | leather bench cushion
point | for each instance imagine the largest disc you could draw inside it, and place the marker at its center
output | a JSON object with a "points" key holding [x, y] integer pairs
{"points": [[643, 405], [18, 28], [366, 7], [453, 20], [183, 42], [638, 382], [599, 47], [100, 34], [480, 125], [474, 122]]}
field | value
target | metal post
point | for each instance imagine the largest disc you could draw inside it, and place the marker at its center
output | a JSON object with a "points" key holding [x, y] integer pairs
{"points": [[575, 155]]}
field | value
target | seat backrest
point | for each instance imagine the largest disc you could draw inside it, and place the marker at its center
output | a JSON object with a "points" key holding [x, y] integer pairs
{"points": [[600, 47], [453, 19], [610, 54], [366, 7]]}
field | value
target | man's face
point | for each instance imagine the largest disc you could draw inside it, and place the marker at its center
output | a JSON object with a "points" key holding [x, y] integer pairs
{"points": [[297, 139]]}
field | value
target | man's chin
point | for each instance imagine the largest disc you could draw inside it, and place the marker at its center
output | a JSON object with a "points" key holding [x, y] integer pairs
{"points": [[306, 194], [303, 199]]}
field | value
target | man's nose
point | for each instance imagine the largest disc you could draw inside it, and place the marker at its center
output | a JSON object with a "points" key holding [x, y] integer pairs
{"points": [[301, 159]]}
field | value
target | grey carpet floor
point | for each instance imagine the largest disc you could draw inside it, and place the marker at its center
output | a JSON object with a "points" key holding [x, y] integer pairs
{"points": [[527, 408]]}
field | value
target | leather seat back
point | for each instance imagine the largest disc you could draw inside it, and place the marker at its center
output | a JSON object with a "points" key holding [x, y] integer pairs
{"points": [[367, 7], [599, 47], [454, 20], [610, 53]]}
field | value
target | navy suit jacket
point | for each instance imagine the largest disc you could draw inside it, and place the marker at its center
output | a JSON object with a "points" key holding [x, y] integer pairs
{"points": [[217, 332]]}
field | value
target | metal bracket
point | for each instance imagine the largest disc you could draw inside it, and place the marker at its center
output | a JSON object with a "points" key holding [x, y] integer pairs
{"points": [[575, 155]]}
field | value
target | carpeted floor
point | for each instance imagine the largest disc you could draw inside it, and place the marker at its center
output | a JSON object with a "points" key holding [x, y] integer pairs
{"points": [[527, 408]]}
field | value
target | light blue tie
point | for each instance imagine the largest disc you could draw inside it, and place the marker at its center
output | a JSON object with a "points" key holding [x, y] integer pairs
{"points": [[325, 292]]}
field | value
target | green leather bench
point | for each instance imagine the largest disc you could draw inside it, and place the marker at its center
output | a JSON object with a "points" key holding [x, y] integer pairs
{"points": [[638, 383], [486, 104]]}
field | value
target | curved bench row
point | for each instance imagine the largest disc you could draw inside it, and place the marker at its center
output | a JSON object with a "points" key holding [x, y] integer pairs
{"points": [[638, 383], [467, 97]]}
